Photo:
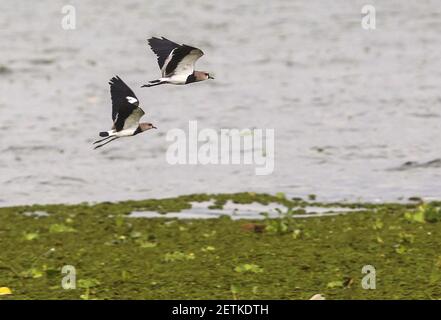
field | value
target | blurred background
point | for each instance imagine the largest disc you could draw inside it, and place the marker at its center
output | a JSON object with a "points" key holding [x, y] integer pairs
{"points": [[356, 113]]}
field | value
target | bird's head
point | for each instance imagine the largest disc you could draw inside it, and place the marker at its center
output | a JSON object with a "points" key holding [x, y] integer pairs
{"points": [[146, 126], [208, 75], [202, 75]]}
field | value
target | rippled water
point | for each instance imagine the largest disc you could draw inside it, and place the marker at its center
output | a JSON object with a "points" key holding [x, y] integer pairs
{"points": [[356, 113]]}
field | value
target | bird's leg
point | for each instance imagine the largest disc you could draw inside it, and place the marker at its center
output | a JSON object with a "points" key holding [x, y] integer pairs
{"points": [[99, 146], [98, 141], [154, 83]]}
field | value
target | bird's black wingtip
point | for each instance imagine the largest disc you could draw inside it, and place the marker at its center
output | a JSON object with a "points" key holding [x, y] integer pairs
{"points": [[116, 79], [152, 39]]}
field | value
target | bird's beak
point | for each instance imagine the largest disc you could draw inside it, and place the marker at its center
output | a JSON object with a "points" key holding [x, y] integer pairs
{"points": [[154, 127], [210, 77]]}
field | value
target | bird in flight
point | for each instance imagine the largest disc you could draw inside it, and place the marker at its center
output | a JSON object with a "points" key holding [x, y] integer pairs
{"points": [[176, 63], [126, 113]]}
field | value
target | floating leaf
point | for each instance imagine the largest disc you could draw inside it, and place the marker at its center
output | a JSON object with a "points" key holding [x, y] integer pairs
{"points": [[297, 234], [178, 256], [147, 244], [400, 249], [280, 195], [335, 284], [31, 236], [378, 224], [209, 234], [88, 283], [32, 273], [208, 248], [60, 228], [248, 268], [135, 234]]}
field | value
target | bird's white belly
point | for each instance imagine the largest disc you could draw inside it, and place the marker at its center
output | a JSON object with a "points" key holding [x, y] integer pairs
{"points": [[178, 79], [126, 132]]}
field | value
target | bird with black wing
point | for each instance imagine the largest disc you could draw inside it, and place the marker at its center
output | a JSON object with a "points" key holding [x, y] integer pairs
{"points": [[126, 114], [176, 62]]}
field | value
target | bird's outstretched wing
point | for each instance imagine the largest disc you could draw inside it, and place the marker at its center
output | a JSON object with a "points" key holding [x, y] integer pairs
{"points": [[174, 58], [183, 60], [124, 104], [162, 48]]}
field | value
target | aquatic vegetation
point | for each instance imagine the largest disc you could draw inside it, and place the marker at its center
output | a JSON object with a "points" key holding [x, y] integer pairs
{"points": [[208, 249], [32, 273], [297, 234], [234, 292], [31, 235], [283, 224], [117, 257], [178, 256], [88, 285], [425, 213], [248, 268], [335, 284], [280, 195], [60, 228], [432, 213], [146, 244]]}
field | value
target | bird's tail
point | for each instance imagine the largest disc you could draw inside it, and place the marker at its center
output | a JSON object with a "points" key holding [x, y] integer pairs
{"points": [[104, 134]]}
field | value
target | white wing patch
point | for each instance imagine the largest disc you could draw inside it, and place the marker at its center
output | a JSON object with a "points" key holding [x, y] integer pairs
{"points": [[132, 100], [132, 120], [186, 65]]}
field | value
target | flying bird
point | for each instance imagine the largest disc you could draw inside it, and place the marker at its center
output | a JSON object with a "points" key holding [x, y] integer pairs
{"points": [[126, 113], [176, 63]]}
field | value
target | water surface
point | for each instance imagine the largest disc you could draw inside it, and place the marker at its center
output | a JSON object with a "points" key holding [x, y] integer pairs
{"points": [[349, 107]]}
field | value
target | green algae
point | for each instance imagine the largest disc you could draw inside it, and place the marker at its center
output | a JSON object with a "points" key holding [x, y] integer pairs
{"points": [[116, 257]]}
